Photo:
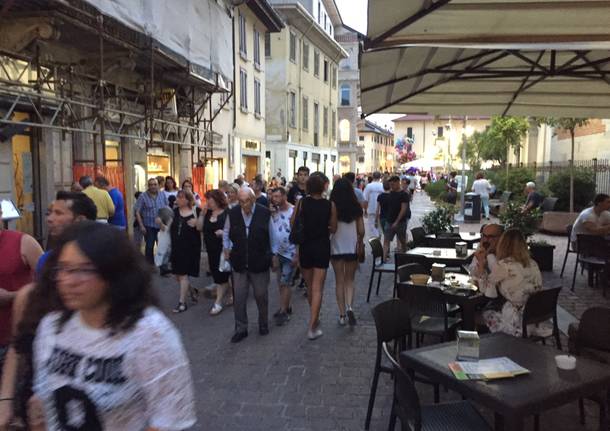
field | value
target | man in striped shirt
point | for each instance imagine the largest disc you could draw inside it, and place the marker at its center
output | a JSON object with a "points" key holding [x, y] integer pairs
{"points": [[147, 206]]}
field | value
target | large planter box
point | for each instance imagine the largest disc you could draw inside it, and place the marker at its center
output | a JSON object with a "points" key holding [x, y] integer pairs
{"points": [[557, 221], [543, 255]]}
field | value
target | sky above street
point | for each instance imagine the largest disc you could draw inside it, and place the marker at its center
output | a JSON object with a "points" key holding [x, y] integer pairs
{"points": [[353, 13]]}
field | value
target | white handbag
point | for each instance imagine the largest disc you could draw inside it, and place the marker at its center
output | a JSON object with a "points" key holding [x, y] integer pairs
{"points": [[224, 265]]}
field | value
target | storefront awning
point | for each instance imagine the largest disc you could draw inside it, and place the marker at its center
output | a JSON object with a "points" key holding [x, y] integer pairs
{"points": [[487, 57]]}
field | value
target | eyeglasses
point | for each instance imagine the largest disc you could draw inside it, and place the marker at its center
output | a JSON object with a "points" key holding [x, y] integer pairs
{"points": [[80, 273]]}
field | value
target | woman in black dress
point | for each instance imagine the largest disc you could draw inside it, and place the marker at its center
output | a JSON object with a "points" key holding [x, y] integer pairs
{"points": [[319, 217], [186, 243], [213, 224]]}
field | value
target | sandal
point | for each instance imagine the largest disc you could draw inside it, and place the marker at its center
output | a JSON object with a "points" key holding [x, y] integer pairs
{"points": [[181, 307], [216, 309], [194, 294], [229, 302]]}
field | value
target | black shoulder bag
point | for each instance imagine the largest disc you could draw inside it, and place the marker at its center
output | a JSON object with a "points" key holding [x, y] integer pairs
{"points": [[297, 231]]}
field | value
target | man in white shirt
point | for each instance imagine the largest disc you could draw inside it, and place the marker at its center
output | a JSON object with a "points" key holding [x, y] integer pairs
{"points": [[594, 220], [482, 187], [371, 192]]}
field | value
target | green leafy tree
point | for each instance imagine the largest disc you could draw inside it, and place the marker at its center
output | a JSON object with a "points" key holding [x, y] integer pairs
{"points": [[504, 134], [570, 125], [474, 144]]}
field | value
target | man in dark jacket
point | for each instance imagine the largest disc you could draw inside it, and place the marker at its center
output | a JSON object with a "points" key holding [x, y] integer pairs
{"points": [[247, 245]]}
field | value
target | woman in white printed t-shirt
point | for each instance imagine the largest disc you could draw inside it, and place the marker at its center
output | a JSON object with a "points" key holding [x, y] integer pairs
{"points": [[482, 188], [108, 359]]}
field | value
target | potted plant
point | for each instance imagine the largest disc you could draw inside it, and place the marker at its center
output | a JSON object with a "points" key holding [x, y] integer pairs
{"points": [[541, 251], [439, 220]]}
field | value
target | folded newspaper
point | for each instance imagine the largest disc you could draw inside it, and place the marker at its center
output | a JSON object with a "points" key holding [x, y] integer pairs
{"points": [[487, 369]]}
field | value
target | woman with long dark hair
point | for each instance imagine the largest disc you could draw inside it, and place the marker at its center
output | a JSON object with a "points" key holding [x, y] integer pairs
{"points": [[319, 218], [107, 358], [213, 224], [343, 246], [185, 256]]}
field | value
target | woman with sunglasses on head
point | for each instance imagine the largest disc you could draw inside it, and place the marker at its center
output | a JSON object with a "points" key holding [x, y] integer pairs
{"points": [[108, 359]]}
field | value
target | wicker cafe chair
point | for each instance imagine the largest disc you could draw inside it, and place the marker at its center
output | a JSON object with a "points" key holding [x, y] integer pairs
{"points": [[419, 236], [454, 416], [540, 307], [392, 324], [592, 254], [569, 249], [591, 339], [378, 267], [428, 311]]}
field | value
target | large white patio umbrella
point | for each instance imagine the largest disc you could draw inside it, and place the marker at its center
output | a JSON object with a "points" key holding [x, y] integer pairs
{"points": [[487, 57]]}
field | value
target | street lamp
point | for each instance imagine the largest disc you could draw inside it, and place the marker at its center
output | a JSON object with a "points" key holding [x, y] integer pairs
{"points": [[467, 132]]}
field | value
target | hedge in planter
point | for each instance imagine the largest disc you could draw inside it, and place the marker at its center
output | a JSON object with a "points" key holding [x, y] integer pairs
{"points": [[584, 188], [439, 220]]}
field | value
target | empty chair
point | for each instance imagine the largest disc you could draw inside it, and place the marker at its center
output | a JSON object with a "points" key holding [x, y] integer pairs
{"points": [[428, 311], [591, 339], [406, 407], [591, 253], [392, 324], [540, 307], [569, 249], [444, 242], [379, 267], [419, 236]]}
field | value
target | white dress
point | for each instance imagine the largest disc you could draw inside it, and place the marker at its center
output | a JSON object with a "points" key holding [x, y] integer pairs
{"points": [[515, 283], [343, 242]]}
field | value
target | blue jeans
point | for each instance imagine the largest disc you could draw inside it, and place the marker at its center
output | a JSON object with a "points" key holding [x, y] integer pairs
{"points": [[151, 238], [485, 205]]}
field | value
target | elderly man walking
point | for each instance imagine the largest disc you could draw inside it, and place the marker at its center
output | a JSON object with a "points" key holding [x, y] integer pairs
{"points": [[247, 245]]}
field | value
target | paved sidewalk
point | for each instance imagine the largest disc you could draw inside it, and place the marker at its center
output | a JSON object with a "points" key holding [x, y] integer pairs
{"points": [[285, 382]]}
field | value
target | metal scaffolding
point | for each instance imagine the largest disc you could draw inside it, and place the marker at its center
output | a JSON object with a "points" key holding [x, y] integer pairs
{"points": [[165, 102]]}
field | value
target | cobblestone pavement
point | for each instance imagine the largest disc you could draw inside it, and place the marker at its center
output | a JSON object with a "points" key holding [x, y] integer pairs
{"points": [[283, 381]]}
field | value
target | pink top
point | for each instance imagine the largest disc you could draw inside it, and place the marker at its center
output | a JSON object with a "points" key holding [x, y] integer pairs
{"points": [[14, 274]]}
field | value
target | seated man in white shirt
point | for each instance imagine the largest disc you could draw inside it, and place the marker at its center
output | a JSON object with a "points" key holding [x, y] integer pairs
{"points": [[594, 220], [490, 235]]}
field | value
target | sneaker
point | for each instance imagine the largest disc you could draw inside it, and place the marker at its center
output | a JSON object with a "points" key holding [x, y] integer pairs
{"points": [[351, 317], [229, 301], [277, 313], [181, 307], [342, 320], [312, 335], [216, 309], [281, 318]]}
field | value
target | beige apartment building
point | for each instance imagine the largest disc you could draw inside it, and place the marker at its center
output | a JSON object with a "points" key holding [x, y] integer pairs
{"points": [[437, 137], [302, 88], [377, 148], [241, 116]]}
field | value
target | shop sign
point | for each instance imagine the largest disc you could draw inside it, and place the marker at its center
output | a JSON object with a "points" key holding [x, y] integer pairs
{"points": [[252, 145], [292, 154], [315, 157]]}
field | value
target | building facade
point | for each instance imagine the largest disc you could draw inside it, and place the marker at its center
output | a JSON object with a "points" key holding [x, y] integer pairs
{"points": [[377, 147], [241, 117], [302, 88], [88, 90], [349, 101], [437, 137]]}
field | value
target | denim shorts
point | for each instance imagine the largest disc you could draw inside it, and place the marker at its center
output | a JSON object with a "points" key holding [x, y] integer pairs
{"points": [[286, 270]]}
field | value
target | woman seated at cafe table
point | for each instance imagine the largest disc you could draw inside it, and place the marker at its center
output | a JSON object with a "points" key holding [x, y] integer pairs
{"points": [[513, 277]]}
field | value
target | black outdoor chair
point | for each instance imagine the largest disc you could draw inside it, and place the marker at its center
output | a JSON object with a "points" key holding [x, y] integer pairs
{"points": [[540, 307], [443, 242], [454, 416], [591, 339], [591, 253], [419, 236], [569, 249], [548, 204], [378, 267], [429, 312], [392, 324]]}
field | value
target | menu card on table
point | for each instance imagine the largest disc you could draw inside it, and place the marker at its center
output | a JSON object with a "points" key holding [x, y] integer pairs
{"points": [[486, 369]]}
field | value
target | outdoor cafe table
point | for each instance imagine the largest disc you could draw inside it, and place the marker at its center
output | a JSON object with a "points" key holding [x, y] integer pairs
{"points": [[514, 399], [467, 237], [468, 299], [447, 256]]}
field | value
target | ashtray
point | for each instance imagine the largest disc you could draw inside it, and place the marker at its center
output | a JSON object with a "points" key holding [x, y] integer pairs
{"points": [[436, 252], [565, 362]]}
